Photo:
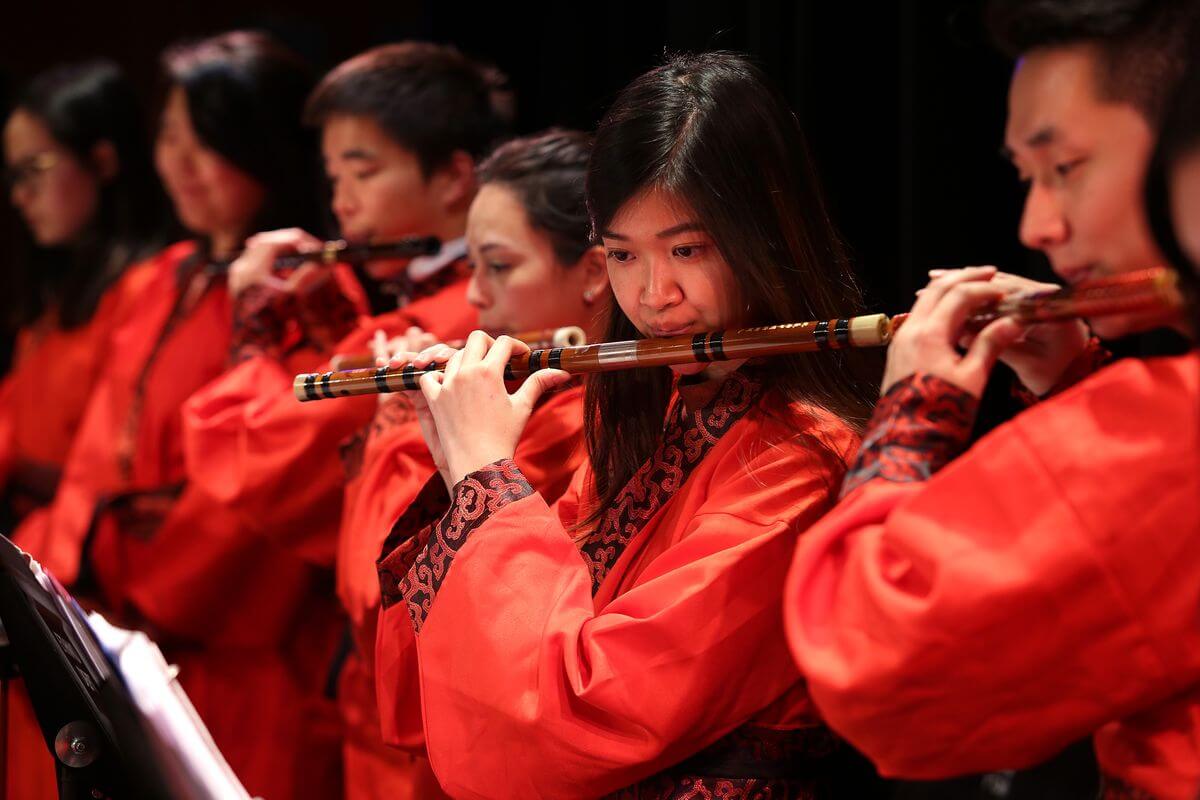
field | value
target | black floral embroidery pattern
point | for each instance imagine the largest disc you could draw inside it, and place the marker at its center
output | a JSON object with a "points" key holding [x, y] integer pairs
{"points": [[260, 323], [752, 763], [475, 498], [393, 411], [1093, 357], [324, 314], [920, 425], [1116, 789], [686, 440]]}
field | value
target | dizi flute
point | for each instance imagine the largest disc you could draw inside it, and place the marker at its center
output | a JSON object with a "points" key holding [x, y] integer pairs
{"points": [[570, 336], [1146, 290], [872, 330], [1154, 289], [340, 251]]}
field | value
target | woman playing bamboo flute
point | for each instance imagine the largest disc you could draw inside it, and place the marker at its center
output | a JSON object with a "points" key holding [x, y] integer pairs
{"points": [[999, 601], [625, 638], [533, 267]]}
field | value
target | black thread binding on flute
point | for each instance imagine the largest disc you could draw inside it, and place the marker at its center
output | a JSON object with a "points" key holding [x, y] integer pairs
{"points": [[698, 349], [509, 375], [821, 334], [310, 389], [535, 360], [841, 333], [325, 384], [381, 379], [716, 345], [554, 361]]}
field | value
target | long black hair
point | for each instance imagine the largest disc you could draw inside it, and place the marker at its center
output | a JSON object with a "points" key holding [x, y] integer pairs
{"points": [[83, 105], [713, 132], [245, 95], [1179, 138]]}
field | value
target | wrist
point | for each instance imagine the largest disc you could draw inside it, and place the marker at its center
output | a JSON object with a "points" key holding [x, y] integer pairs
{"points": [[462, 465]]}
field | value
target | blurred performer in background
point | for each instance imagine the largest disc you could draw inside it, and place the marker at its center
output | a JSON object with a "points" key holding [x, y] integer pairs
{"points": [[79, 172], [403, 127], [240, 618], [533, 267], [626, 638], [998, 603]]}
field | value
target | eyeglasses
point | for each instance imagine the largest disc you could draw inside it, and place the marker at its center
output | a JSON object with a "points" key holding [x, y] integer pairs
{"points": [[29, 170]]}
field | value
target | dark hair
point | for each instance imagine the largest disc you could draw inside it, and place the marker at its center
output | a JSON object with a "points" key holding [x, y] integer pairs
{"points": [[713, 132], [1142, 43], [1179, 139], [245, 94], [83, 105], [546, 172], [429, 98]]}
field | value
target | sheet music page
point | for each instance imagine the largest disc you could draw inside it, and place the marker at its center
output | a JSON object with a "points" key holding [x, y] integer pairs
{"points": [[173, 721]]}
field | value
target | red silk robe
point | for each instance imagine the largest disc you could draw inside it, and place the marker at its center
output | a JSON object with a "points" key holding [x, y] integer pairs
{"points": [[1038, 588], [645, 655], [396, 467], [41, 403], [248, 624], [280, 466], [43, 398]]}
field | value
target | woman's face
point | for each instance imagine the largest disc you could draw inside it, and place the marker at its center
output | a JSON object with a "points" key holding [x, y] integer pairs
{"points": [[517, 282], [667, 273], [56, 194], [212, 197]]}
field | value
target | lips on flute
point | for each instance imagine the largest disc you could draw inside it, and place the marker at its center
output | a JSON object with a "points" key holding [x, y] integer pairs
{"points": [[1147, 290]]}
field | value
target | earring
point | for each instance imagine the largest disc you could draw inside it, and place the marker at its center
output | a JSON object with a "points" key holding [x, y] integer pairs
{"points": [[587, 295]]}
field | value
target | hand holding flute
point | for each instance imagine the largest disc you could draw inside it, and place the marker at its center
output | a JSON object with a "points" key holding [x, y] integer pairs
{"points": [[965, 320]]}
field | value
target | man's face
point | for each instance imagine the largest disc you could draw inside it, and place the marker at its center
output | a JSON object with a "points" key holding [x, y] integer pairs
{"points": [[379, 190], [1084, 158]]}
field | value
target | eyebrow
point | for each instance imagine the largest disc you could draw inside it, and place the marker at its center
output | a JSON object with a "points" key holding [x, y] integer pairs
{"points": [[683, 227], [1043, 137], [483, 248], [357, 153]]}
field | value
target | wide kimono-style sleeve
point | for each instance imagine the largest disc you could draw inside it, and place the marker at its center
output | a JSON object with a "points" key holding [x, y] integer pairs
{"points": [[529, 691], [270, 459], [549, 453], [1033, 590]]}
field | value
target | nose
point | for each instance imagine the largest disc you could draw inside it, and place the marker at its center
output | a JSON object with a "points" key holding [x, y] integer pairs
{"points": [[343, 204], [660, 289], [477, 295], [1043, 223]]}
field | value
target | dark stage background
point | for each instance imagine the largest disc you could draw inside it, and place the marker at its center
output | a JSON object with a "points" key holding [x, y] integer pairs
{"points": [[903, 101]]}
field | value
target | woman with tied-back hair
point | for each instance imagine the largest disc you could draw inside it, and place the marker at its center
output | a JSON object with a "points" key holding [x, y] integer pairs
{"points": [[78, 171], [242, 619], [533, 267], [627, 638]]}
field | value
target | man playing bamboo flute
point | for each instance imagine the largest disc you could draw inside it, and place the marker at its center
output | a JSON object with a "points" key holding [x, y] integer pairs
{"points": [[965, 610]]}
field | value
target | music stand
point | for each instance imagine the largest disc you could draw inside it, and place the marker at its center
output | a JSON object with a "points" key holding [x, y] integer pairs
{"points": [[87, 717]]}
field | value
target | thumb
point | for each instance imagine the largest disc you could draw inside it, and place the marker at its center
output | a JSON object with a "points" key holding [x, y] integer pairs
{"points": [[990, 343], [539, 383]]}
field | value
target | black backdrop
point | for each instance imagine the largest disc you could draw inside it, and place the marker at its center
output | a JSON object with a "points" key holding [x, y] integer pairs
{"points": [[903, 101]]}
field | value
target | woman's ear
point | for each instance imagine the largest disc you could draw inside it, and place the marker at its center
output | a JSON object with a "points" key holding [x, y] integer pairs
{"points": [[593, 270], [105, 160]]}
